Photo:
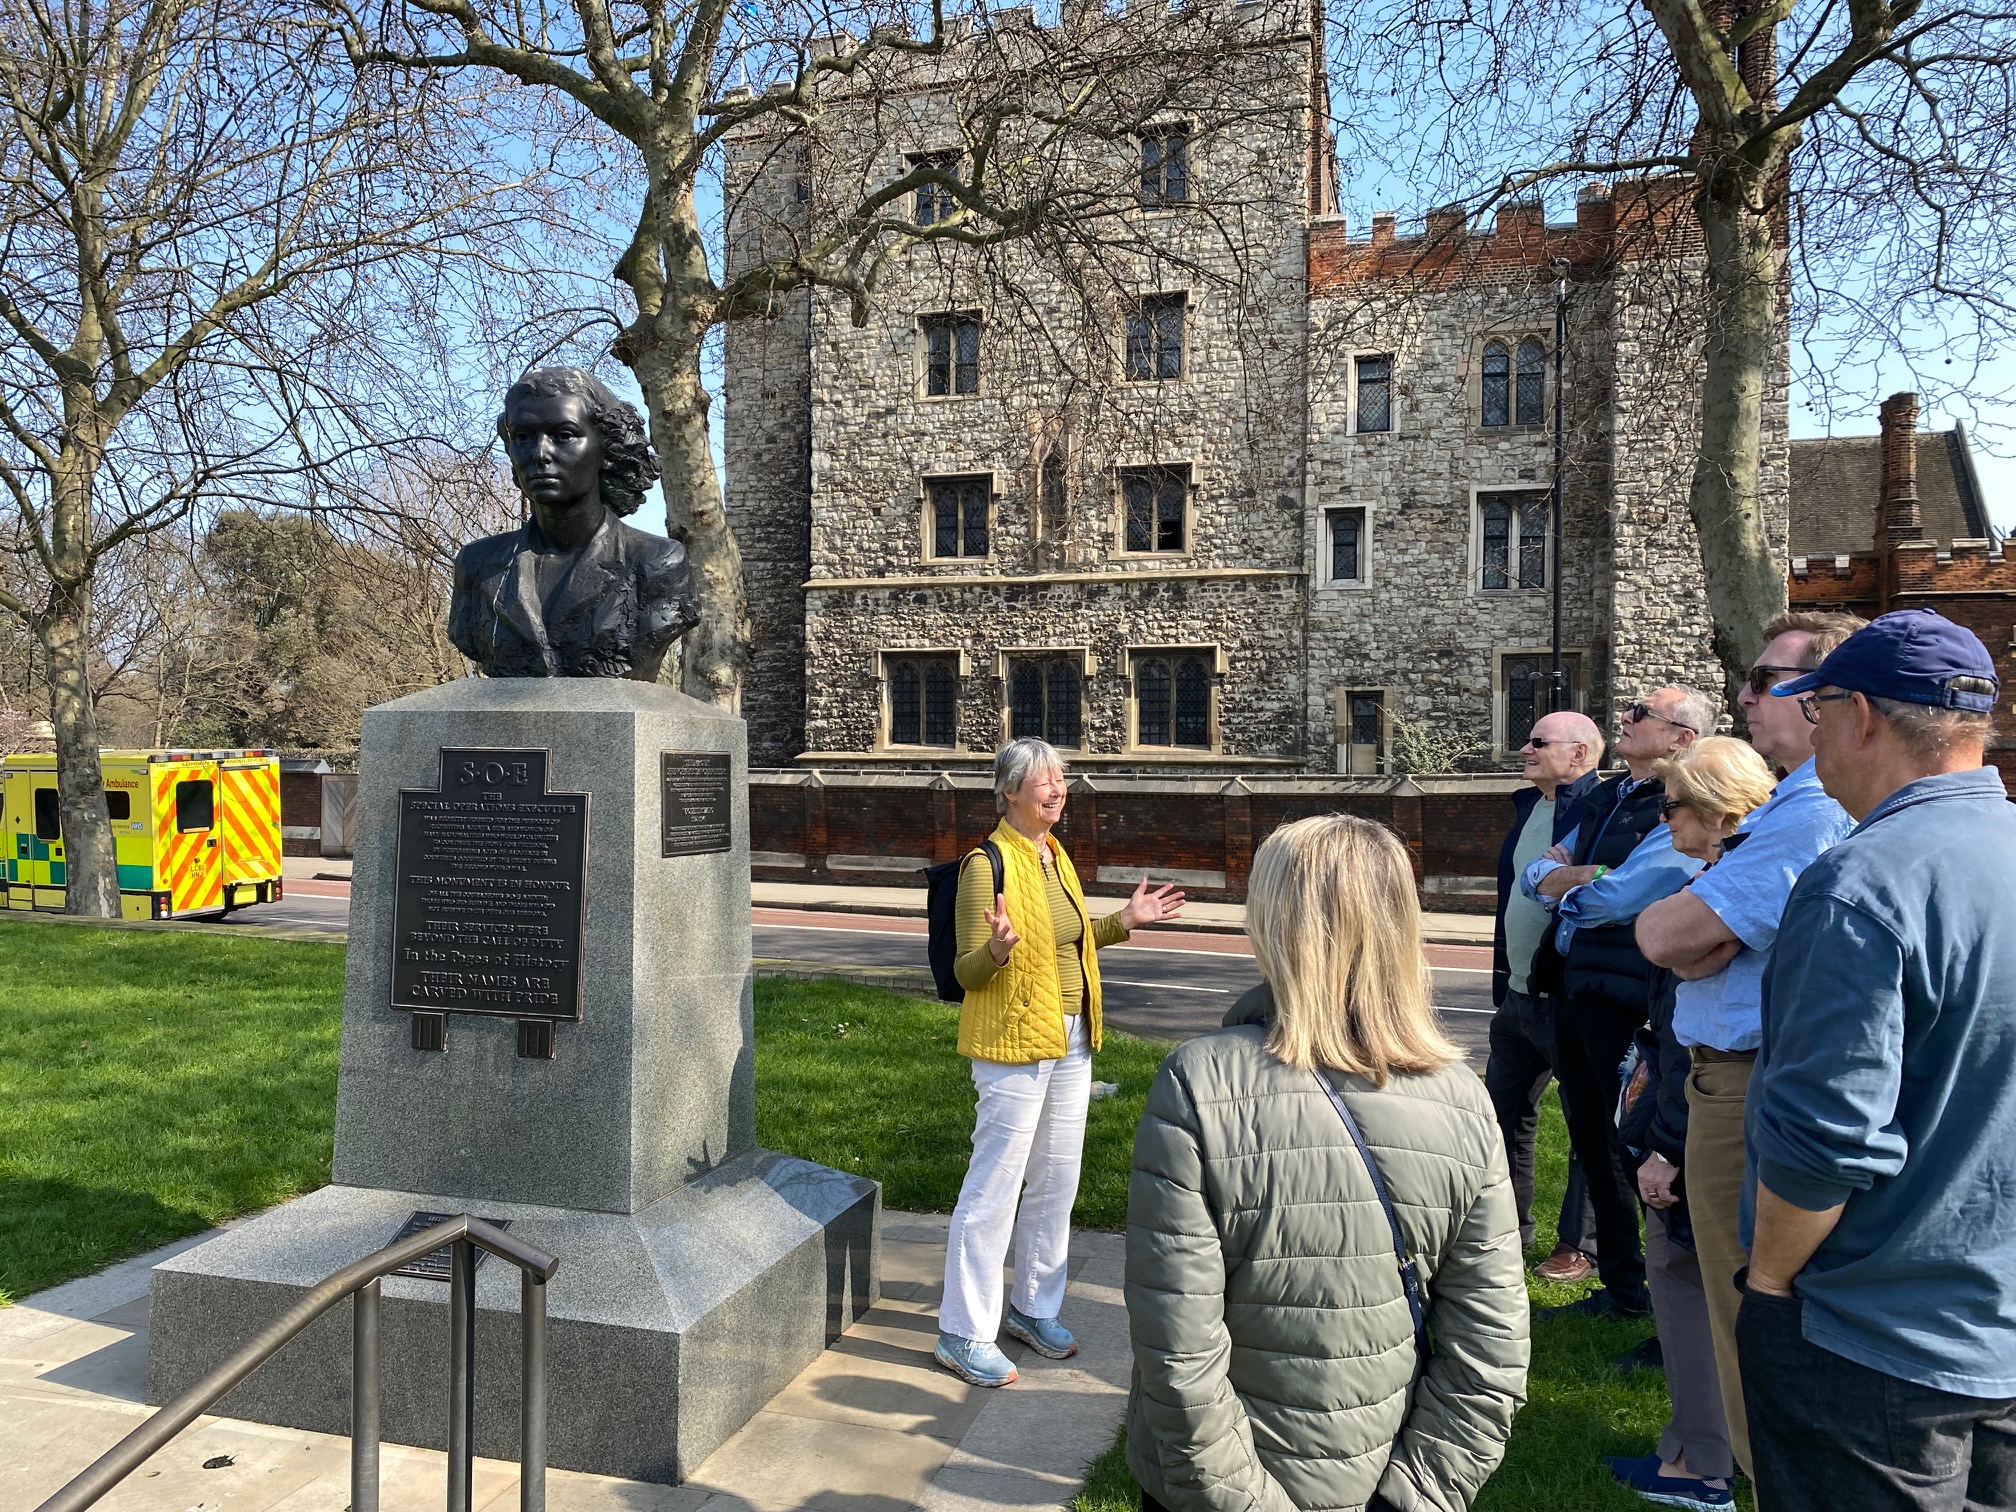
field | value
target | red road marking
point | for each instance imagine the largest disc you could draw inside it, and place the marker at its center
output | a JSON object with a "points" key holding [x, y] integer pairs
{"points": [[1470, 957]]}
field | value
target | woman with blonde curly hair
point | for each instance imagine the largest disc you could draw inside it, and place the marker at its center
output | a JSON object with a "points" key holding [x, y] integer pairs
{"points": [[1324, 1280], [1710, 788]]}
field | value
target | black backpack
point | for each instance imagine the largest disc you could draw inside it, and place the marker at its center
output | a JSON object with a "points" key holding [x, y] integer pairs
{"points": [[941, 908]]}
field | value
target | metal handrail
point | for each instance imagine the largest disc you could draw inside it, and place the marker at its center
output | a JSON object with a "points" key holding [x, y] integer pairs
{"points": [[465, 1235]]}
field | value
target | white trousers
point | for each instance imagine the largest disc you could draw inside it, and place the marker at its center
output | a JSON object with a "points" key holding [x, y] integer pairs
{"points": [[1030, 1125]]}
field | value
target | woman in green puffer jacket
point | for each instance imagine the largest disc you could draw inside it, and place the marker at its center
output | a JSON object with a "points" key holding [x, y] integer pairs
{"points": [[1276, 1359]]}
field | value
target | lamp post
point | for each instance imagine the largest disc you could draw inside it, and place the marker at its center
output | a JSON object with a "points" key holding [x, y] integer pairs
{"points": [[1558, 695]]}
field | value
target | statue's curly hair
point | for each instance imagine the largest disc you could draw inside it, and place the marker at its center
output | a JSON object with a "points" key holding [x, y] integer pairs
{"points": [[629, 466]]}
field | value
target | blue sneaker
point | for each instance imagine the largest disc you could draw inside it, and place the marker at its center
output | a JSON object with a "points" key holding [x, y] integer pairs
{"points": [[974, 1360], [1642, 1475], [1046, 1336]]}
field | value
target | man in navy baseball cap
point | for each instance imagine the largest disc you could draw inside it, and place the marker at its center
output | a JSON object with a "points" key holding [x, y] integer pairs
{"points": [[1878, 1325]]}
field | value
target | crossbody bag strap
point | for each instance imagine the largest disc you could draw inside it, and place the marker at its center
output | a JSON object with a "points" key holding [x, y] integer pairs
{"points": [[1410, 1273]]}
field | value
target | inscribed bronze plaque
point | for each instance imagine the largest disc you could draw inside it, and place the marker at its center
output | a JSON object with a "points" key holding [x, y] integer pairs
{"points": [[697, 815], [489, 908]]}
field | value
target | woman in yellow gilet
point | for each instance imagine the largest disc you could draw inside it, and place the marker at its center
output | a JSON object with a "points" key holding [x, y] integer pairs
{"points": [[1028, 959]]}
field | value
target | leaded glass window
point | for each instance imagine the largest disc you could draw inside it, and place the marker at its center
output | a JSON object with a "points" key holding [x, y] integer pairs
{"points": [[1053, 488], [1375, 393], [1154, 500], [1347, 544], [951, 355], [1513, 544], [1528, 694], [1165, 167], [1044, 699], [1497, 384], [1155, 339], [1172, 699], [1532, 392], [923, 700], [959, 515], [934, 201]]}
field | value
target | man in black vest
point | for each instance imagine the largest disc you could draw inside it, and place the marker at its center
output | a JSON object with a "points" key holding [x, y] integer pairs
{"points": [[1618, 861]]}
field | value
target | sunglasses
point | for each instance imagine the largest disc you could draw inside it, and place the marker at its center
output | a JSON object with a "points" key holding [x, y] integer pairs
{"points": [[1639, 712], [1762, 678], [1812, 714], [1669, 808], [1541, 742]]}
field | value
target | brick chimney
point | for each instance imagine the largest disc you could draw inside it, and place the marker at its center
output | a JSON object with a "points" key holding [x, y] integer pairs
{"points": [[1897, 516], [1899, 520]]}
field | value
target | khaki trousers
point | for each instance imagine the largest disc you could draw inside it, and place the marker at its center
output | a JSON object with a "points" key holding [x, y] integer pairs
{"points": [[1716, 1088]]}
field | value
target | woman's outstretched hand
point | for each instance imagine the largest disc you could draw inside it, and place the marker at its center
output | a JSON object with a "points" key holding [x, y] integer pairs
{"points": [[1003, 937], [1147, 907]]}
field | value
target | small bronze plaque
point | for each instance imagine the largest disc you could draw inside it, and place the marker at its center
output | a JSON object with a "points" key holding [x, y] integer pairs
{"points": [[489, 902], [436, 1265], [698, 814]]}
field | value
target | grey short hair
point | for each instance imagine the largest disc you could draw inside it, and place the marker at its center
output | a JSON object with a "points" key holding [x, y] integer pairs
{"points": [[1014, 763], [1699, 711], [1930, 733]]}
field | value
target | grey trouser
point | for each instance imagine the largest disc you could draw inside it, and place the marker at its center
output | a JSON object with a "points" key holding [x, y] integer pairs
{"points": [[1696, 1430]]}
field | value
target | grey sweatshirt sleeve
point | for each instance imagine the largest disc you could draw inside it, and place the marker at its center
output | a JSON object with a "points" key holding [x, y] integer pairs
{"points": [[1823, 1108]]}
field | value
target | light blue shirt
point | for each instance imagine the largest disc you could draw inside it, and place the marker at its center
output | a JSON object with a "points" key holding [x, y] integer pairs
{"points": [[1653, 871], [1747, 889]]}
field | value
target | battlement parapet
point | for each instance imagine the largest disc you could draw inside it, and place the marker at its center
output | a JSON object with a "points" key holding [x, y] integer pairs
{"points": [[1637, 219]]}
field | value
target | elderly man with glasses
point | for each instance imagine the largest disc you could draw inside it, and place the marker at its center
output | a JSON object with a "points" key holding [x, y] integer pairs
{"points": [[1717, 936], [1596, 882], [1559, 759], [1878, 1324]]}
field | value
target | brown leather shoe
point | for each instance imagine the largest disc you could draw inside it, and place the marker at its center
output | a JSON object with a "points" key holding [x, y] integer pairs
{"points": [[1566, 1265]]}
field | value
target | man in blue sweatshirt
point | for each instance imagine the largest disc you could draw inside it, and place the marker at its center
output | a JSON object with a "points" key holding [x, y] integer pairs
{"points": [[1878, 1327]]}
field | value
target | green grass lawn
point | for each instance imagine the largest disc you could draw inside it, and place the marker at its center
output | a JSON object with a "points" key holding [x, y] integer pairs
{"points": [[153, 1083]]}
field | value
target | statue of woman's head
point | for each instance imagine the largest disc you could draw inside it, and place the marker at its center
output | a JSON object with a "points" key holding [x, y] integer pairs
{"points": [[629, 466]]}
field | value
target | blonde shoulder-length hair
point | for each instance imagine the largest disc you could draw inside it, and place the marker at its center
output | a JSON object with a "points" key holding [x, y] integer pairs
{"points": [[1719, 777], [1336, 928]]}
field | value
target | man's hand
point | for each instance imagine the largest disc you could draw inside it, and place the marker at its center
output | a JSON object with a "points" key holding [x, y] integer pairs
{"points": [[1785, 1239], [1558, 881], [1560, 855], [1710, 963], [1655, 1181], [1003, 939], [1151, 908]]}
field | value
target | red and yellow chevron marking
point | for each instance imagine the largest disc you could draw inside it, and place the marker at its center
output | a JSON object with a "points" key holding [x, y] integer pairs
{"points": [[185, 866], [249, 818]]}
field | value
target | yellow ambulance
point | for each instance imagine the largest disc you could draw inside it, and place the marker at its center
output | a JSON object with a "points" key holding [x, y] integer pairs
{"points": [[195, 831]]}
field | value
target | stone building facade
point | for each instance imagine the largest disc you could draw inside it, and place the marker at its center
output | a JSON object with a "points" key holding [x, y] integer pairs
{"points": [[1242, 494]]}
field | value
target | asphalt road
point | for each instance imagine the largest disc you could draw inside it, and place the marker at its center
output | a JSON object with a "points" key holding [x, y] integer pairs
{"points": [[1165, 984]]}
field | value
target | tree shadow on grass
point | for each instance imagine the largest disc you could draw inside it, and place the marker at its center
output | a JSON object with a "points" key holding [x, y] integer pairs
{"points": [[53, 1230]]}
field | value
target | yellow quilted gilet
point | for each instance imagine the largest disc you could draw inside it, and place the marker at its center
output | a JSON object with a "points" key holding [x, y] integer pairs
{"points": [[1018, 1017]]}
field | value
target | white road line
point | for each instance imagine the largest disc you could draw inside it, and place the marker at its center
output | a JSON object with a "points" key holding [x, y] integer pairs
{"points": [[1168, 986], [1445, 1008]]}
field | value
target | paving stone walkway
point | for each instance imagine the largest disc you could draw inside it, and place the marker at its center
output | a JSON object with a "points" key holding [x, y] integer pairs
{"points": [[870, 1426]]}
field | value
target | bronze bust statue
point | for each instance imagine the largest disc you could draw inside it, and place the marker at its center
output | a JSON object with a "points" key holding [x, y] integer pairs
{"points": [[573, 592]]}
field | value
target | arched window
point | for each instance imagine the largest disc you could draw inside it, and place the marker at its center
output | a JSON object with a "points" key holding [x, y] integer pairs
{"points": [[1497, 384], [1531, 405]]}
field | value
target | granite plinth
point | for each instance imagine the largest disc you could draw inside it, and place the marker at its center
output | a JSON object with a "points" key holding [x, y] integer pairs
{"points": [[668, 1327], [655, 1084]]}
